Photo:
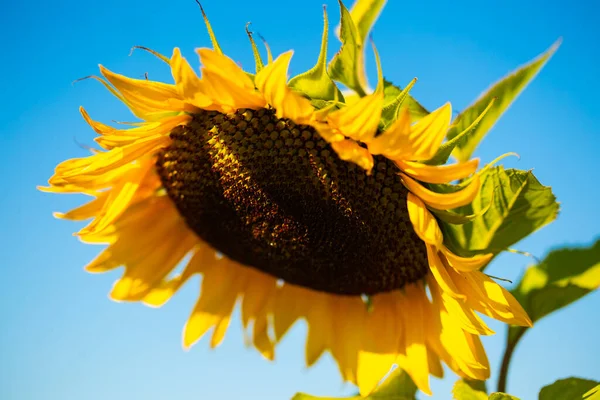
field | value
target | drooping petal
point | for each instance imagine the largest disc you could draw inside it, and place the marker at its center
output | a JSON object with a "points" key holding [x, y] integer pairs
{"points": [[440, 273], [469, 321], [287, 309], [319, 319], [381, 342], [443, 201], [204, 257], [489, 298], [415, 360], [424, 223], [466, 264], [213, 309], [438, 174], [348, 321]]}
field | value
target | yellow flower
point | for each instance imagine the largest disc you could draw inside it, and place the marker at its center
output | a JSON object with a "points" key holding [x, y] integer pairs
{"points": [[292, 211]]}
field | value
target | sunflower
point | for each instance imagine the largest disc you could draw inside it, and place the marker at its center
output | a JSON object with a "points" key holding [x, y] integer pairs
{"points": [[293, 207]]}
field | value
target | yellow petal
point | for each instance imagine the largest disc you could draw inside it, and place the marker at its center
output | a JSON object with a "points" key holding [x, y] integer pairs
{"points": [[394, 143], [320, 329], [435, 366], [271, 81], [225, 67], [440, 273], [359, 120], [260, 337], [380, 344], [464, 348], [287, 309], [213, 308], [187, 82], [88, 210], [349, 314], [89, 167], [466, 264], [490, 298], [424, 223], [427, 134], [468, 320], [443, 201], [438, 174], [143, 274], [145, 96], [204, 257], [415, 361], [349, 150]]}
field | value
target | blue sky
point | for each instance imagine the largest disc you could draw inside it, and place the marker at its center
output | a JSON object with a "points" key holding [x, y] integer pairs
{"points": [[61, 337]]}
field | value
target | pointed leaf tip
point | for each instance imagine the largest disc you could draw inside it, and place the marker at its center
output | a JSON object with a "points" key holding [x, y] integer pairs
{"points": [[211, 33], [506, 91], [316, 83]]}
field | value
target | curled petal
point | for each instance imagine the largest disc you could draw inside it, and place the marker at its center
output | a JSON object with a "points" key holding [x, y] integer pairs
{"points": [[443, 201], [438, 174]]}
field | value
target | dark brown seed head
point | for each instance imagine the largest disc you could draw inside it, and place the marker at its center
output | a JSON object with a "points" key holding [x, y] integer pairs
{"points": [[273, 195]]}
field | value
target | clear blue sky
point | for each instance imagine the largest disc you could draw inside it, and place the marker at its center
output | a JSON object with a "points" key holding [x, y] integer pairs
{"points": [[62, 339]]}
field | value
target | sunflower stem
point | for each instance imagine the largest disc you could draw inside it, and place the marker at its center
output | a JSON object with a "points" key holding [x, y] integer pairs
{"points": [[508, 352]]}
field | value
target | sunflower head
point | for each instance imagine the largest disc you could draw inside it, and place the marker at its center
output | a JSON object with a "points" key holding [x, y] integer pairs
{"points": [[339, 209]]}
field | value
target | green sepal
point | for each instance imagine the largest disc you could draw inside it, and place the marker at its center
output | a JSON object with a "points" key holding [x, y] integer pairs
{"points": [[316, 83], [257, 58], [506, 91], [520, 206], [391, 110], [564, 276], [211, 33], [572, 389], [443, 153], [391, 94], [153, 52], [348, 65]]}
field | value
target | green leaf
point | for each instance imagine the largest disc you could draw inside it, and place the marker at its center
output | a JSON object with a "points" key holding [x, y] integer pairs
{"points": [[466, 389], [520, 205], [397, 386], [506, 90], [394, 98], [564, 276], [502, 396], [316, 83], [569, 389], [348, 65]]}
